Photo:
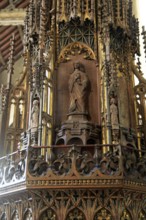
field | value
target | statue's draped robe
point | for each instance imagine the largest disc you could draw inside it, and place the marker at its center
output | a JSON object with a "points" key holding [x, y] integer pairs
{"points": [[35, 117], [78, 87]]}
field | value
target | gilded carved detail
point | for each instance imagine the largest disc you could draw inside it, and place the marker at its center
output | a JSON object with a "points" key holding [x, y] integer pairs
{"points": [[103, 215], [48, 214], [76, 214], [74, 49], [125, 215]]}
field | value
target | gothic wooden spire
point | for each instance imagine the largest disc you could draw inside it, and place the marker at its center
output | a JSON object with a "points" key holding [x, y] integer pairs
{"points": [[2, 98], [26, 30], [42, 31], [11, 63], [144, 39], [71, 9]]}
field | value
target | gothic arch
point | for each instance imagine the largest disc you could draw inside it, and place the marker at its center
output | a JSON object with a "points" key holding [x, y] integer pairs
{"points": [[74, 49]]}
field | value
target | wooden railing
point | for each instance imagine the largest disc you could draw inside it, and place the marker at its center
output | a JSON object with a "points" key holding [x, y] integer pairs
{"points": [[13, 168], [73, 162]]}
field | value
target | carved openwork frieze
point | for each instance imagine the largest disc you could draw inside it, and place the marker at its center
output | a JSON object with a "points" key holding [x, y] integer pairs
{"points": [[74, 162], [85, 165], [76, 166], [81, 204]]}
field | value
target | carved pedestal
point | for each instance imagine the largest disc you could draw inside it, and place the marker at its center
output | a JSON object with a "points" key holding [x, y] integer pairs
{"points": [[78, 130]]}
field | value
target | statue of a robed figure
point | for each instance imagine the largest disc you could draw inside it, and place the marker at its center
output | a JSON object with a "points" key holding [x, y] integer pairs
{"points": [[78, 89], [35, 115], [78, 128]]}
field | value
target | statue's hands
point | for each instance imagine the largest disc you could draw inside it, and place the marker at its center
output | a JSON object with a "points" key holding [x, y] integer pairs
{"points": [[84, 85], [79, 82]]}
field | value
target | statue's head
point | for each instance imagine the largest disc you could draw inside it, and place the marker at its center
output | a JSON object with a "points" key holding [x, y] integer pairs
{"points": [[49, 213], [35, 102], [113, 101], [79, 66]]}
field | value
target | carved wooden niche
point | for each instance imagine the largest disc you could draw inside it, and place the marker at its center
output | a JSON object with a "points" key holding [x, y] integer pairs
{"points": [[73, 53], [15, 215], [48, 214], [28, 215], [103, 214], [76, 214], [126, 103]]}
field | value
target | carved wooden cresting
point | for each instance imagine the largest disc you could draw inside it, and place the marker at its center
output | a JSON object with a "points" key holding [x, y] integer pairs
{"points": [[73, 128]]}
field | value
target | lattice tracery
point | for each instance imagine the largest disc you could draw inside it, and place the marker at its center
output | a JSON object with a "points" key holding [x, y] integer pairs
{"points": [[76, 31]]}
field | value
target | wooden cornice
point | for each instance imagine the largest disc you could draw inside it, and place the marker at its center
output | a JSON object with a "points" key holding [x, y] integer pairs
{"points": [[14, 17]]}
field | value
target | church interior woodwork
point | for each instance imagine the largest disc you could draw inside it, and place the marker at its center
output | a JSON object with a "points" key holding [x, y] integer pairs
{"points": [[73, 127]]}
